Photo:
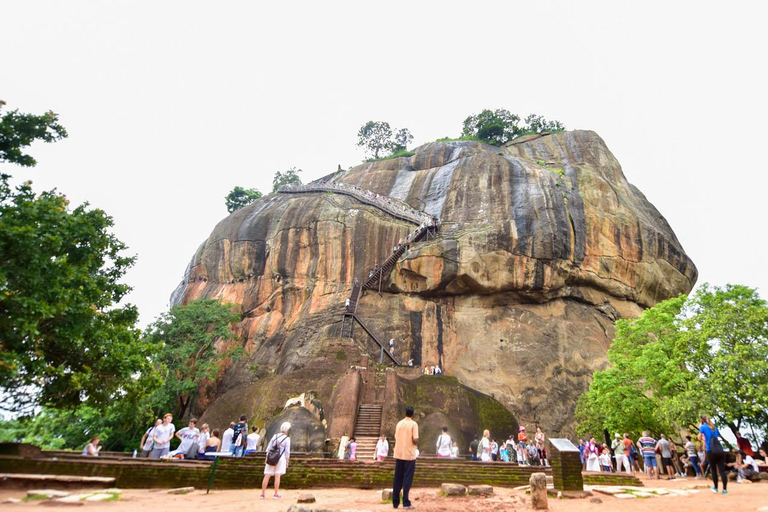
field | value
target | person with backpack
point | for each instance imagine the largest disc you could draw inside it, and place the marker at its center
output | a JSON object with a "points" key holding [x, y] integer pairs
{"points": [[443, 446], [239, 434], [147, 444], [278, 453], [709, 433]]}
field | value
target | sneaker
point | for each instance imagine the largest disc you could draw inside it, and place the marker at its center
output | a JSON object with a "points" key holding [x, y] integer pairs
{"points": [[713, 489], [276, 497], [724, 492], [738, 479]]}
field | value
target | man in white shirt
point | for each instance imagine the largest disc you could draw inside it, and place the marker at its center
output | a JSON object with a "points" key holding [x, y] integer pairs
{"points": [[188, 436], [162, 437], [745, 465], [226, 438], [253, 440]]}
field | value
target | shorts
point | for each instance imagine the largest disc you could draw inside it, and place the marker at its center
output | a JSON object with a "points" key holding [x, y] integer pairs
{"points": [[650, 460], [667, 462]]}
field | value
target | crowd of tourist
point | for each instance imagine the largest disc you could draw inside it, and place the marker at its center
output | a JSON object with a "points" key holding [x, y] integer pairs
{"points": [[661, 457], [654, 457], [194, 443]]}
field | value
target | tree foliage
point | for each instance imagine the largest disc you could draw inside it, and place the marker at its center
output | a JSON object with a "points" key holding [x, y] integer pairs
{"points": [[120, 424], [18, 131], [681, 358], [378, 136], [63, 339], [194, 341], [240, 197], [499, 126], [289, 177]]}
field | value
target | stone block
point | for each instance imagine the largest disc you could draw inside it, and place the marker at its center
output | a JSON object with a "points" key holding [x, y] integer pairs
{"points": [[306, 497], [386, 495], [625, 496], [539, 491], [181, 490], [595, 500], [453, 490], [480, 490]]}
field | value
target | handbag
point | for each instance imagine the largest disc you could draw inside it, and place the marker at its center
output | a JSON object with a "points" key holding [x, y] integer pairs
{"points": [[714, 445]]}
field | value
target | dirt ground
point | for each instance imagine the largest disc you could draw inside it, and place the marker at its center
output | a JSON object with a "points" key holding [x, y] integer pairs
{"points": [[742, 497]]}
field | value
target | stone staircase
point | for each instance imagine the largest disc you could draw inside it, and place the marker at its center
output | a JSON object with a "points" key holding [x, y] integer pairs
{"points": [[367, 430]]}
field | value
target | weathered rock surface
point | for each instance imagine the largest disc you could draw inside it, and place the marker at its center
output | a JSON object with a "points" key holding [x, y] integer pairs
{"points": [[453, 490], [539, 491], [480, 490], [543, 244]]}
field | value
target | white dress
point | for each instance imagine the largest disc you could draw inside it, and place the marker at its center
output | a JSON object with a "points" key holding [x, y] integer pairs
{"points": [[284, 443], [485, 446], [593, 462]]}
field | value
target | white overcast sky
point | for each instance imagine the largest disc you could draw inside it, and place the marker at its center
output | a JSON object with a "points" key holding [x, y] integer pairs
{"points": [[169, 105]]}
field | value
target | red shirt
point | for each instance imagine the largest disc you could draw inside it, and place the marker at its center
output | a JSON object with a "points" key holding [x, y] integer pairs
{"points": [[745, 446]]}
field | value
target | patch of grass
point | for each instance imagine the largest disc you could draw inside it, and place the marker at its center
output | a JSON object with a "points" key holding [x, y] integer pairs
{"points": [[463, 137], [341, 355], [35, 497], [397, 154]]}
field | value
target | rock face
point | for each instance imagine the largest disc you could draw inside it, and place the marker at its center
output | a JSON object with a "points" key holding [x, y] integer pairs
{"points": [[543, 245]]}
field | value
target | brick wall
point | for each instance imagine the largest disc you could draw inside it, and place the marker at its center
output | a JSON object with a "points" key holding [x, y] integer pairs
{"points": [[303, 473]]}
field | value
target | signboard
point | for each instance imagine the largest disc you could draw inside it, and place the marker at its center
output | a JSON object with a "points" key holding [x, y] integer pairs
{"points": [[563, 445]]}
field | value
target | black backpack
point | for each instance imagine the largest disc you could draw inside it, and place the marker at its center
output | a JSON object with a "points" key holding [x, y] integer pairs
{"points": [[274, 453], [239, 433]]}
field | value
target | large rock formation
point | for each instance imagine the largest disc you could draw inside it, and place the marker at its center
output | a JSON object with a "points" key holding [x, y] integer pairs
{"points": [[543, 245]]}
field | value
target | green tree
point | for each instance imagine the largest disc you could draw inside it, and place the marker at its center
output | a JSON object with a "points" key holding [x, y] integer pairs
{"points": [[240, 197], [289, 177], [537, 124], [401, 140], [194, 341], [19, 131], [499, 126], [378, 136], [64, 340], [681, 358]]}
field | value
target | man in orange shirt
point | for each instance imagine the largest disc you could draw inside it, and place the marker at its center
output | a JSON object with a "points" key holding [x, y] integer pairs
{"points": [[406, 440]]}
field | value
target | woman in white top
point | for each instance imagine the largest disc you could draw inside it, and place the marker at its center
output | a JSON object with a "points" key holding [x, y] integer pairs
{"points": [[283, 442], [253, 440], [382, 449], [202, 441], [485, 447], [444, 444]]}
